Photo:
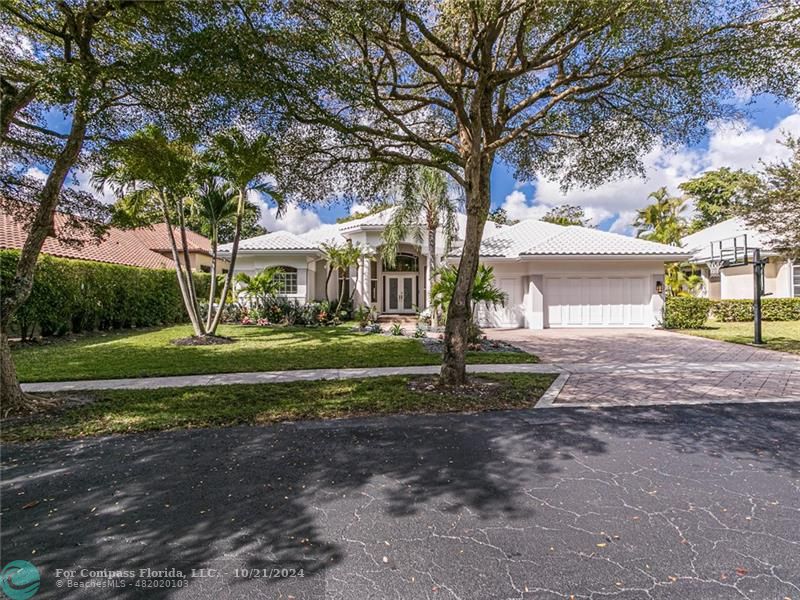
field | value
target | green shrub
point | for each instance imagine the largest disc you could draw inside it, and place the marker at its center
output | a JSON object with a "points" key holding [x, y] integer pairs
{"points": [[733, 310], [686, 312], [77, 295], [772, 309]]}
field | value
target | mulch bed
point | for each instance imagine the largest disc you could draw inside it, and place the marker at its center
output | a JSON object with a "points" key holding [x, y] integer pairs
{"points": [[476, 388], [436, 346], [203, 340]]}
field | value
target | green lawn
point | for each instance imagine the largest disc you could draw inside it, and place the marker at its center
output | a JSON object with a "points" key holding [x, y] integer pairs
{"points": [[778, 335], [128, 411], [150, 353]]}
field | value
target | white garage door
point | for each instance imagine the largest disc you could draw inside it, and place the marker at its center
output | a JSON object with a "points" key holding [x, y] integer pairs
{"points": [[597, 301], [510, 314]]}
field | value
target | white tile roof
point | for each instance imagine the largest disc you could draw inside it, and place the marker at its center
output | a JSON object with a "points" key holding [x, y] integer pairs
{"points": [[538, 238], [699, 243], [512, 241], [277, 240], [379, 219]]}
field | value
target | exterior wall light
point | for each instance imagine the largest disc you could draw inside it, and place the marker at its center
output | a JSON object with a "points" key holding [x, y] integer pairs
{"points": [[659, 287]]}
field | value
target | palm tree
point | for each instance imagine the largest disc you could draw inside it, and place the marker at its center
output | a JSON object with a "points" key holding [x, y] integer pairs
{"points": [[664, 220], [483, 290], [428, 199], [262, 286], [244, 162], [213, 204], [150, 170]]}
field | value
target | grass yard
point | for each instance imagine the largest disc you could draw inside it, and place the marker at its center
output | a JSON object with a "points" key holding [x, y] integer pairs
{"points": [[129, 411], [149, 353], [778, 335]]}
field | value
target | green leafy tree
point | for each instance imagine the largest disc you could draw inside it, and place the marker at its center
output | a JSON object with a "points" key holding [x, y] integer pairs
{"points": [[714, 195], [664, 220], [90, 61], [577, 90], [424, 212], [500, 216], [567, 214], [107, 67], [771, 202]]}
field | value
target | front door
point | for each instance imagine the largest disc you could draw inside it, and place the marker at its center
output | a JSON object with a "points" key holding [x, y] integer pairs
{"points": [[400, 293]]}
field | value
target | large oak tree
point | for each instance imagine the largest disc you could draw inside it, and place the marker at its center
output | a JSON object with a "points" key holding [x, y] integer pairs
{"points": [[578, 90], [104, 67]]}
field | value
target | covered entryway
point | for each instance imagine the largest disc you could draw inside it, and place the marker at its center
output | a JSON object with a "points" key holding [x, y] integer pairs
{"points": [[584, 301]]}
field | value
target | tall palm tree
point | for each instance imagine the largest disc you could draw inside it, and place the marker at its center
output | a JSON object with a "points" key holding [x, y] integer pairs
{"points": [[664, 220], [245, 162], [214, 203], [428, 204], [146, 170]]}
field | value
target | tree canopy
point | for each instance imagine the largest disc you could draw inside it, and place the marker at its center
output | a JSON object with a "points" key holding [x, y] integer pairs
{"points": [[771, 202], [567, 214], [714, 195]]}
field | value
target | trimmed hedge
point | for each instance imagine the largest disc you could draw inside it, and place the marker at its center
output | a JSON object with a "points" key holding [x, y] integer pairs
{"points": [[772, 309], [690, 313], [78, 295], [686, 312]]}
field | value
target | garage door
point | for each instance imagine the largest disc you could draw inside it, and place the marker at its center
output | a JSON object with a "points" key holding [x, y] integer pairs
{"points": [[597, 301], [508, 315]]}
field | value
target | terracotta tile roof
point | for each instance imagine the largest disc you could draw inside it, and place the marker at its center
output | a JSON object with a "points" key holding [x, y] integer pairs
{"points": [[119, 246], [156, 238]]}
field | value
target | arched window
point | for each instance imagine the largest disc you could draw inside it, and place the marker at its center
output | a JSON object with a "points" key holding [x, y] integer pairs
{"points": [[403, 261], [287, 280]]}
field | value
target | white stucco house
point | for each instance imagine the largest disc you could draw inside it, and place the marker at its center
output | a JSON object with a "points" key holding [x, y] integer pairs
{"points": [[781, 276], [554, 276]]}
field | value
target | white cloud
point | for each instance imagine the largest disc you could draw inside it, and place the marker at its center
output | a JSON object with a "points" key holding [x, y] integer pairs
{"points": [[734, 145], [294, 219], [78, 180]]}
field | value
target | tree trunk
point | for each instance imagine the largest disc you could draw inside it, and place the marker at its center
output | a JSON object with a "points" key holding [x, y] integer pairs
{"points": [[432, 276], [327, 282], [477, 174], [187, 261], [187, 302], [212, 294], [11, 395], [234, 251]]}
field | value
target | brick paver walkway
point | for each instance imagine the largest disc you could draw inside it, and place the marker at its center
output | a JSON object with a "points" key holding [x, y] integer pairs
{"points": [[655, 367]]}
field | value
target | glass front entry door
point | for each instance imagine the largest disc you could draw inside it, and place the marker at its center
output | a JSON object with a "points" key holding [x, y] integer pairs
{"points": [[400, 293]]}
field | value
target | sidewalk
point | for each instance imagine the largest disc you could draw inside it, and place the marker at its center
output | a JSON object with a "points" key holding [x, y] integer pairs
{"points": [[145, 383]]}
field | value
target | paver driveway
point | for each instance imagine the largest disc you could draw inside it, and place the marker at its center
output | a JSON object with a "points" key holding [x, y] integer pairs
{"points": [[643, 366]]}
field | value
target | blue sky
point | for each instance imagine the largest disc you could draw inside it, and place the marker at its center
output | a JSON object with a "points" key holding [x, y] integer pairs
{"points": [[611, 206]]}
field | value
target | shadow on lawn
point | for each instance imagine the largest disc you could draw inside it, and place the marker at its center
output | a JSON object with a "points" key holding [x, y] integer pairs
{"points": [[286, 495]]}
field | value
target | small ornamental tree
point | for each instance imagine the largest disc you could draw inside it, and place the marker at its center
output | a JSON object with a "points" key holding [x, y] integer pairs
{"points": [[579, 90]]}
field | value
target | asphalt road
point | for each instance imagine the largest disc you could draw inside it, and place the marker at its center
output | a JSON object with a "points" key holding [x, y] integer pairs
{"points": [[679, 502]]}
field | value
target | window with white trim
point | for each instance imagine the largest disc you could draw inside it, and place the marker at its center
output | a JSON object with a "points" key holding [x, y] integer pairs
{"points": [[796, 279], [287, 281]]}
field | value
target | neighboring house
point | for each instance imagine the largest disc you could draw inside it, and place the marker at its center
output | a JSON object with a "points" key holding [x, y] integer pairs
{"points": [[156, 238], [781, 276], [144, 247], [554, 276]]}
